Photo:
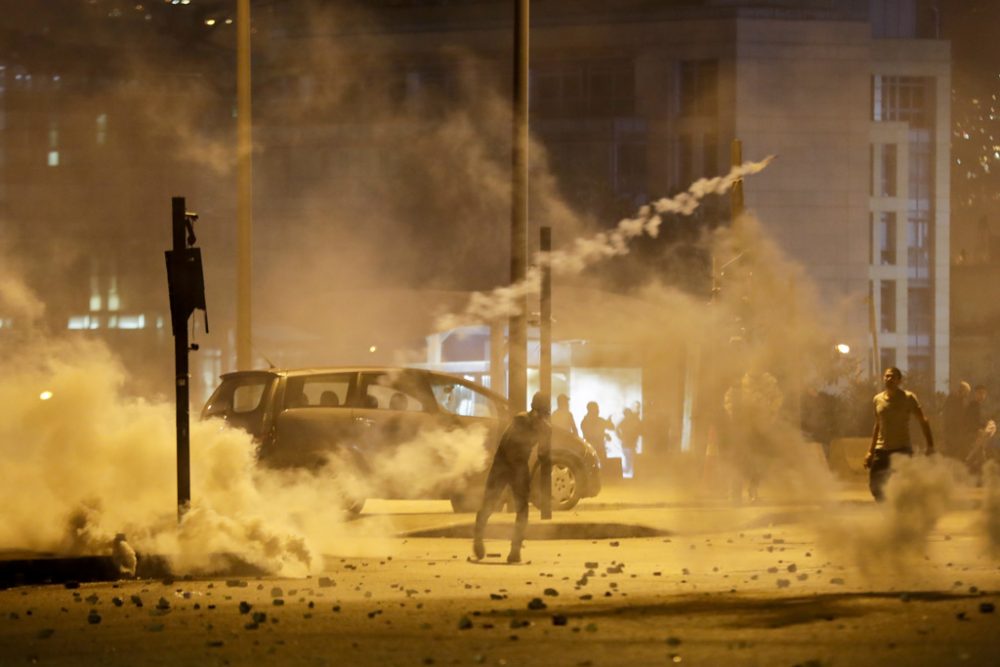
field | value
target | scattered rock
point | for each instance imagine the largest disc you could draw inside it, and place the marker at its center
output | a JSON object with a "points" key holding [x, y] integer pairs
{"points": [[673, 641], [551, 592], [136, 600], [497, 596], [326, 582], [278, 602], [155, 627], [590, 627], [793, 568], [614, 543], [236, 583], [590, 565], [117, 601], [536, 604], [986, 608], [91, 599], [93, 617], [464, 623], [245, 607], [258, 617], [214, 643], [838, 581], [45, 633], [783, 583], [163, 604], [277, 592], [559, 619]]}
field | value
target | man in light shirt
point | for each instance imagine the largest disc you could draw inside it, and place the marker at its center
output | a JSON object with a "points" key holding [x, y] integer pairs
{"points": [[891, 436]]}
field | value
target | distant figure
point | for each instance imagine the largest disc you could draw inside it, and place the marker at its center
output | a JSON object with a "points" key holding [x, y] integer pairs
{"points": [[595, 430], [753, 406], [510, 468], [629, 431], [891, 435], [562, 417], [329, 399], [123, 556], [955, 439], [975, 428]]}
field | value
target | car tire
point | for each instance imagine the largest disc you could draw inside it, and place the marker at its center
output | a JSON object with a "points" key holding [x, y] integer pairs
{"points": [[567, 483]]}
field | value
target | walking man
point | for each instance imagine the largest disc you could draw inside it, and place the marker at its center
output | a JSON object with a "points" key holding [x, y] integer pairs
{"points": [[510, 468], [891, 436]]}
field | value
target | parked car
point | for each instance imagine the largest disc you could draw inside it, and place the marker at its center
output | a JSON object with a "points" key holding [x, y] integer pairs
{"points": [[357, 417]]}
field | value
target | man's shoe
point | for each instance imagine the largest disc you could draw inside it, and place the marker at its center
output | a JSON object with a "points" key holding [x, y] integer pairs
{"points": [[515, 554], [478, 549]]}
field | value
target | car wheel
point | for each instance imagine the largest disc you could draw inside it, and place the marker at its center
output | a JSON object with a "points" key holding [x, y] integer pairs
{"points": [[567, 484]]}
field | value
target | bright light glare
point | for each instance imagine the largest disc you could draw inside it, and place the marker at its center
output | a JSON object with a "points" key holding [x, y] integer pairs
{"points": [[843, 348], [372, 348], [209, 21], [45, 395]]}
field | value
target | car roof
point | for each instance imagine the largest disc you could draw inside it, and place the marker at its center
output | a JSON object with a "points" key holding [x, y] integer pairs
{"points": [[320, 370]]}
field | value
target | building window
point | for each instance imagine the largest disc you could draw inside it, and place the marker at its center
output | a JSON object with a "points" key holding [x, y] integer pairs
{"points": [[597, 88], [918, 244], [887, 171], [887, 357], [699, 88], [919, 313], [908, 99], [885, 238], [888, 306]]}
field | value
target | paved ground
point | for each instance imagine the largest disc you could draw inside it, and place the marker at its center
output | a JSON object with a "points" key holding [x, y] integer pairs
{"points": [[717, 586]]}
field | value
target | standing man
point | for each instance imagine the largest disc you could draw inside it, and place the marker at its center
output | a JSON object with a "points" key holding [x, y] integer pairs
{"points": [[510, 467], [562, 417], [891, 436], [595, 431]]}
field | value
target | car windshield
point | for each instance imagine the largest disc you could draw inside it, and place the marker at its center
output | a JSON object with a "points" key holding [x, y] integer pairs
{"points": [[237, 395], [463, 400]]}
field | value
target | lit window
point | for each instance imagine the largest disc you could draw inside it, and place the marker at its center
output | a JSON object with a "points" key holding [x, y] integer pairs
{"points": [[132, 322], [53, 158]]}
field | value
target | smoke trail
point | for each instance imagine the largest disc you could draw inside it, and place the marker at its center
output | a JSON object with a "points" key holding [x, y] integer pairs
{"points": [[504, 301]]}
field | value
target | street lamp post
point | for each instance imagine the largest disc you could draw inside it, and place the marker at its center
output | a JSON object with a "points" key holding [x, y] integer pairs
{"points": [[517, 382], [244, 189]]}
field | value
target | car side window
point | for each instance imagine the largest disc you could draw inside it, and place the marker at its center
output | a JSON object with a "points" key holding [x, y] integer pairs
{"points": [[318, 391], [459, 399], [383, 392]]}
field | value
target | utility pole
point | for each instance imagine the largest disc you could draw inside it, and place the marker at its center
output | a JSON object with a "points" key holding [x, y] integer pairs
{"points": [[545, 368], [186, 286], [244, 190], [517, 382]]}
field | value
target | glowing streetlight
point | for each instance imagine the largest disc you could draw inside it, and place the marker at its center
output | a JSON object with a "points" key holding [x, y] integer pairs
{"points": [[45, 395], [843, 348]]}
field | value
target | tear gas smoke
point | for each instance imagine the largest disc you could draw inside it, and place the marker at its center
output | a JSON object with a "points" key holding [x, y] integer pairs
{"points": [[889, 542], [90, 463], [505, 301]]}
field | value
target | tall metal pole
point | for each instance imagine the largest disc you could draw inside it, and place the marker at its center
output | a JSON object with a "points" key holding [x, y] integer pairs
{"points": [[244, 189], [179, 212], [518, 336], [545, 368]]}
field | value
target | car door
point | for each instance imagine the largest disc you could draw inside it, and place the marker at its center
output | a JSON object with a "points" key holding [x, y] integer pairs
{"points": [[314, 421], [393, 409], [466, 405]]}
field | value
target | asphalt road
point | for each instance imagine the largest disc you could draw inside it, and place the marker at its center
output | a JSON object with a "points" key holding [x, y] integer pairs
{"points": [[705, 584]]}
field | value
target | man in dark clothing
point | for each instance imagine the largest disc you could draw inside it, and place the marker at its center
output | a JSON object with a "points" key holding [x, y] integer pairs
{"points": [[595, 428], [510, 468], [891, 435]]}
